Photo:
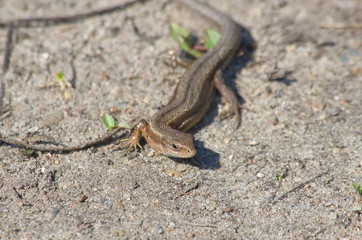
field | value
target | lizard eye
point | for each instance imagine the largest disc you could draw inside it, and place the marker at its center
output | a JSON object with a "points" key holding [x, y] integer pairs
{"points": [[174, 147], [170, 145]]}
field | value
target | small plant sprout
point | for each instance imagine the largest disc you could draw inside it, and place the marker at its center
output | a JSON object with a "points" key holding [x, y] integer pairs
{"points": [[183, 38], [281, 176], [358, 187], [109, 121], [64, 84]]}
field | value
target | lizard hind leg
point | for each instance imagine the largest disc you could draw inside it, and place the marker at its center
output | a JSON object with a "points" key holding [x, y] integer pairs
{"points": [[232, 105]]}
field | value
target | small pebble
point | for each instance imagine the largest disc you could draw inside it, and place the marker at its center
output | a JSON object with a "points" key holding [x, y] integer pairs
{"points": [[190, 235], [174, 173], [260, 175], [253, 143], [318, 106], [227, 140], [121, 233], [274, 121], [151, 154], [67, 94], [332, 216], [114, 109], [106, 203], [82, 198], [45, 55]]}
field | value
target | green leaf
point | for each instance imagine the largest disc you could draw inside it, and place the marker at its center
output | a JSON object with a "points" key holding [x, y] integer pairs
{"points": [[109, 121], [176, 31], [194, 53], [212, 38], [28, 152], [358, 188], [281, 176], [183, 38], [59, 76]]}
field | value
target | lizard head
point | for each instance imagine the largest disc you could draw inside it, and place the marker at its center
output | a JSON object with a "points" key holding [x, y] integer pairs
{"points": [[172, 144], [180, 146]]}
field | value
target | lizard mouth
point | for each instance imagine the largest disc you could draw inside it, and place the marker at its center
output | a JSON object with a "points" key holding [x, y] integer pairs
{"points": [[189, 153]]}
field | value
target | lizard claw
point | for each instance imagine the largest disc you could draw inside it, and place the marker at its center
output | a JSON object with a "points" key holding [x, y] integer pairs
{"points": [[133, 140], [129, 143]]}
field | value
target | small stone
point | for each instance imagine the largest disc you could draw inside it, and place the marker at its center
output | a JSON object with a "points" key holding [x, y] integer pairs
{"points": [[332, 216], [82, 198], [114, 109], [336, 150], [227, 140], [268, 90], [174, 173], [253, 143], [318, 106], [121, 233], [190, 235], [45, 55], [117, 203], [260, 175], [67, 95], [106, 202], [291, 48], [55, 212], [151, 154]]}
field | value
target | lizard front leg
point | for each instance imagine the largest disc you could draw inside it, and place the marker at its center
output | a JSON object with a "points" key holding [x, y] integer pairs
{"points": [[133, 140]]}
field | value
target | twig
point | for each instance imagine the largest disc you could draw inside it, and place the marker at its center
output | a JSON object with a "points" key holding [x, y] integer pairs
{"points": [[25, 144], [342, 25], [297, 188], [7, 52], [2, 93], [5, 66], [47, 21]]}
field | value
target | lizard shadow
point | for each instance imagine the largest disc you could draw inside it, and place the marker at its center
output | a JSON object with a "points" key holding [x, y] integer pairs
{"points": [[204, 159]]}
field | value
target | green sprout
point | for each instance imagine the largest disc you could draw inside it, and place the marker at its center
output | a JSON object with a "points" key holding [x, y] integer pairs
{"points": [[59, 76], [358, 188], [183, 38], [109, 121], [29, 152], [212, 38], [281, 176]]}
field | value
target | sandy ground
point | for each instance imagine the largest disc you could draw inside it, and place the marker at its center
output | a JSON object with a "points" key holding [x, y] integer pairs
{"points": [[286, 173]]}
